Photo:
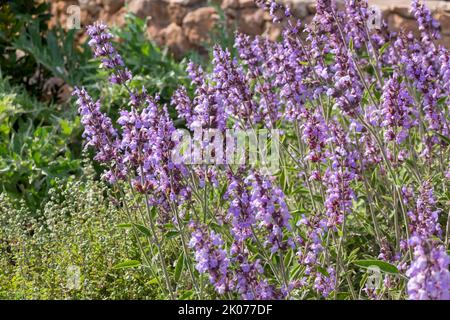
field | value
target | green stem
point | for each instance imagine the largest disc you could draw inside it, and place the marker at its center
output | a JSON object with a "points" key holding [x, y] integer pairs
{"points": [[156, 240]]}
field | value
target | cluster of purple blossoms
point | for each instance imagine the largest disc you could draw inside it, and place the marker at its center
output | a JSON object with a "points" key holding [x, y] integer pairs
{"points": [[147, 146], [324, 19], [324, 282], [348, 88], [387, 253], [240, 211], [255, 203], [314, 134], [206, 110], [309, 83], [248, 276], [249, 51], [100, 133], [98, 129], [337, 179], [211, 258], [371, 153], [271, 67], [144, 147], [233, 90], [276, 10], [311, 247], [236, 274], [312, 244], [100, 43], [295, 76], [428, 26], [444, 70], [270, 210], [426, 69], [158, 163], [356, 17], [136, 131], [424, 218], [429, 275], [397, 114]]}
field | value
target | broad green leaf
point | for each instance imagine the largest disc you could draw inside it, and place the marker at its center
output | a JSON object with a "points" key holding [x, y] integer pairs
{"points": [[179, 267], [295, 272], [171, 234], [153, 281], [124, 225], [383, 48], [153, 212], [384, 266], [288, 258], [323, 271], [127, 264], [186, 295], [144, 230]]}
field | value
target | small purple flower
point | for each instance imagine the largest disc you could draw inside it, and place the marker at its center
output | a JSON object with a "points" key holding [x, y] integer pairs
{"points": [[240, 211], [255, 203], [356, 15], [315, 134], [267, 201]]}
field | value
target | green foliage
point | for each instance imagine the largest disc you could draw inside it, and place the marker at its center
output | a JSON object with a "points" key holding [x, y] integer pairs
{"points": [[77, 228], [57, 53], [153, 67], [41, 142], [15, 17], [30, 53], [38, 143], [223, 32]]}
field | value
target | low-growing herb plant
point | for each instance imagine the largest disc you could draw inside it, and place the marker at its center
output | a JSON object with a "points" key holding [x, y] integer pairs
{"points": [[70, 249]]}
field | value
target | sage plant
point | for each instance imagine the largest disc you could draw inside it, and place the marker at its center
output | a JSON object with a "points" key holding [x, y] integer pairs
{"points": [[362, 180]]}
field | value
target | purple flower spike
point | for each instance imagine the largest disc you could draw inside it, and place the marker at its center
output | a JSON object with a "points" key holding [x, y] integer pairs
{"points": [[101, 45], [429, 277]]}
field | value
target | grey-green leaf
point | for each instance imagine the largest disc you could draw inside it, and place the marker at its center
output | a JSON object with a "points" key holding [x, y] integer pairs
{"points": [[384, 266], [127, 264], [179, 268], [144, 230]]}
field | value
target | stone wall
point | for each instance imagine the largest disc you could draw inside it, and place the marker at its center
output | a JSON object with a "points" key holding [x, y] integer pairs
{"points": [[184, 25]]}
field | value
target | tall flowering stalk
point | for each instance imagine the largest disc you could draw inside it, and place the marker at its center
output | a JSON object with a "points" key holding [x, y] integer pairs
{"points": [[396, 113], [429, 276], [145, 142], [101, 45]]}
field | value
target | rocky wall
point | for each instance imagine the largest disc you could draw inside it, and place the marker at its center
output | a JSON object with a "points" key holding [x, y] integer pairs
{"points": [[184, 25]]}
